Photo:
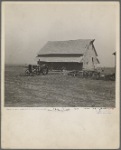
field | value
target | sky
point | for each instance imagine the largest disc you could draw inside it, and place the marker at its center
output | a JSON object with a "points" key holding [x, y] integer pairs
{"points": [[29, 25]]}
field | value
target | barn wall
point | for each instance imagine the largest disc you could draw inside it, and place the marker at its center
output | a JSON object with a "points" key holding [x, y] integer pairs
{"points": [[90, 58], [61, 65]]}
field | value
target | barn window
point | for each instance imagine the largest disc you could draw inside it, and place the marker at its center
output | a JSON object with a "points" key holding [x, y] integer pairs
{"points": [[92, 59]]}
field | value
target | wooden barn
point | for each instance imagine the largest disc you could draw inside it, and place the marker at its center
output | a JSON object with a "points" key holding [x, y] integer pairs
{"points": [[71, 55]]}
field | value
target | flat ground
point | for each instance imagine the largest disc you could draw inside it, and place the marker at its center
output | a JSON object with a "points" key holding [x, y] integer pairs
{"points": [[55, 90]]}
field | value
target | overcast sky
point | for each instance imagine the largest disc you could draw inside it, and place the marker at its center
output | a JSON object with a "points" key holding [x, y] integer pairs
{"points": [[29, 25]]}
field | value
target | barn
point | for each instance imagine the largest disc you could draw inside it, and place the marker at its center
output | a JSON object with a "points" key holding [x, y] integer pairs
{"points": [[71, 55]]}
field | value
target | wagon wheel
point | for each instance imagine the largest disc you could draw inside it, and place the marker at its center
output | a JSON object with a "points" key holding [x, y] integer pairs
{"points": [[45, 71], [27, 72], [34, 71]]}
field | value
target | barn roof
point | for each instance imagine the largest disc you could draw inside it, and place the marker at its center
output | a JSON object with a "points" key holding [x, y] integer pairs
{"points": [[66, 47]]}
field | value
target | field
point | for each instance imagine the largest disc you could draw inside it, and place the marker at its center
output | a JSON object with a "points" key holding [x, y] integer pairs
{"points": [[55, 90]]}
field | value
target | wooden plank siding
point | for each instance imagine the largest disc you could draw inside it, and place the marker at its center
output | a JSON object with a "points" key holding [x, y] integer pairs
{"points": [[90, 58]]}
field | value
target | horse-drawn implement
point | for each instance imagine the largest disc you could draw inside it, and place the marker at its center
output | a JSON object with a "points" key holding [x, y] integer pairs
{"points": [[92, 74], [37, 70]]}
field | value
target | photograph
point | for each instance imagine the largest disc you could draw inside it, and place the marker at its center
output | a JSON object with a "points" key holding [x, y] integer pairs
{"points": [[60, 55]]}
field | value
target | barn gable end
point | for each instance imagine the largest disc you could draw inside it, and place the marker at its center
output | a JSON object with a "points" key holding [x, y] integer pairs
{"points": [[90, 59]]}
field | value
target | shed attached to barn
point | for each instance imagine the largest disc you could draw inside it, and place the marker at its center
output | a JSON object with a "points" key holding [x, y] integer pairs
{"points": [[72, 55]]}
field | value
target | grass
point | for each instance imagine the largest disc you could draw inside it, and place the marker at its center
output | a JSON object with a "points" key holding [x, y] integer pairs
{"points": [[55, 90]]}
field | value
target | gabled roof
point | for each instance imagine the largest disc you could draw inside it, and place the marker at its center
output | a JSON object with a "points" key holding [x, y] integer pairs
{"points": [[66, 47]]}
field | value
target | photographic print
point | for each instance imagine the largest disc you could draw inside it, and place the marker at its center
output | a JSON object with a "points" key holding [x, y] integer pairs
{"points": [[60, 55], [60, 75]]}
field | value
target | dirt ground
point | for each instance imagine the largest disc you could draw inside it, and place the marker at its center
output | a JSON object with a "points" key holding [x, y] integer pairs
{"points": [[55, 90]]}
